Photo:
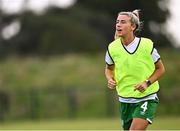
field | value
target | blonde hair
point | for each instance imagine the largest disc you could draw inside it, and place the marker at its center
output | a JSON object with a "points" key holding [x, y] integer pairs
{"points": [[134, 18]]}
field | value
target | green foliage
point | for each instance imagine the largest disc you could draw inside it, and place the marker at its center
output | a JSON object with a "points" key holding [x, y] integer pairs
{"points": [[69, 71], [151, 11], [74, 85], [88, 26], [74, 30], [60, 71]]}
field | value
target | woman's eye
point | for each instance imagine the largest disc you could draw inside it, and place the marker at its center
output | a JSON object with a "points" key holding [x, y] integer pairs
{"points": [[123, 22]]}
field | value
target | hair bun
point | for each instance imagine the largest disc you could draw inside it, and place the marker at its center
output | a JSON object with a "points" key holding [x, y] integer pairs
{"points": [[136, 12]]}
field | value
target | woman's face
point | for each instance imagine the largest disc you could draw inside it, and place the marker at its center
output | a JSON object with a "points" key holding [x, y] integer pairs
{"points": [[124, 26]]}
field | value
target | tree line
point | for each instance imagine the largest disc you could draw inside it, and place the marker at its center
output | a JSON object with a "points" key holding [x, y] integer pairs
{"points": [[86, 27]]}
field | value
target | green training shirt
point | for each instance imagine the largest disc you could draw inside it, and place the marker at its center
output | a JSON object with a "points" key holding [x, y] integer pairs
{"points": [[133, 68]]}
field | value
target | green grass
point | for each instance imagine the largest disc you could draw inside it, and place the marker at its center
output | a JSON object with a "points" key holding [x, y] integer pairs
{"points": [[163, 123], [59, 71], [68, 71], [74, 71]]}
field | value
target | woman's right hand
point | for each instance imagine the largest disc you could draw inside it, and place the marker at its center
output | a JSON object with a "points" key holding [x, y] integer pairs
{"points": [[111, 83]]}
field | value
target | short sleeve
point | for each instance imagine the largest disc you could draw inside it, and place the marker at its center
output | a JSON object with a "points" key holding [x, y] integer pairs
{"points": [[155, 55], [108, 59]]}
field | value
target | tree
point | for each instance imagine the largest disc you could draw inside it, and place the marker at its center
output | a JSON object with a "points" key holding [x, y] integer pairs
{"points": [[151, 13], [88, 26]]}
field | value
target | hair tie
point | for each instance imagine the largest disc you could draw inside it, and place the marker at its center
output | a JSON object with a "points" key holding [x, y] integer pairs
{"points": [[135, 14]]}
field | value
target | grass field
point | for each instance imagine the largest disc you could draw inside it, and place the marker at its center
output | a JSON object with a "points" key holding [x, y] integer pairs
{"points": [[163, 123]]}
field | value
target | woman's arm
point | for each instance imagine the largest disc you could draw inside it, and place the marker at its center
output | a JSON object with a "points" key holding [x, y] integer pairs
{"points": [[158, 72], [109, 73]]}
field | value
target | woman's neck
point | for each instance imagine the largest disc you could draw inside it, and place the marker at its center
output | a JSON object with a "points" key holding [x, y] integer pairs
{"points": [[127, 40]]}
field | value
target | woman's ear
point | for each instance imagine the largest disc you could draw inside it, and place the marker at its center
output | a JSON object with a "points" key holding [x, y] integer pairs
{"points": [[133, 27]]}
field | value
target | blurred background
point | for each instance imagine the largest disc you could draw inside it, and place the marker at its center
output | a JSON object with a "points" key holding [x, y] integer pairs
{"points": [[52, 62]]}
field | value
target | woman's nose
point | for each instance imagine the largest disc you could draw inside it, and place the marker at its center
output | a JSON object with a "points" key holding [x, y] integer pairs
{"points": [[118, 25]]}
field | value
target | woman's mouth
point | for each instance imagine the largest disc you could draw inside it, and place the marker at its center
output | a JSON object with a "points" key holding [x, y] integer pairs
{"points": [[119, 30]]}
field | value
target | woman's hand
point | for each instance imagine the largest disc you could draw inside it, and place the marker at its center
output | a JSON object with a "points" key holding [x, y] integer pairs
{"points": [[141, 87], [111, 83]]}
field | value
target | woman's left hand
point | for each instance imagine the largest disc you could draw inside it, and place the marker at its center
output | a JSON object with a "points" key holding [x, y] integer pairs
{"points": [[141, 87]]}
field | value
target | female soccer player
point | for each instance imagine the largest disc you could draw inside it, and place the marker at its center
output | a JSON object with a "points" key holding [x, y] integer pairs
{"points": [[133, 67]]}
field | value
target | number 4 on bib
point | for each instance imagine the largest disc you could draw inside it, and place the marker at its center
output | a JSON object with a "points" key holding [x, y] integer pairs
{"points": [[144, 106]]}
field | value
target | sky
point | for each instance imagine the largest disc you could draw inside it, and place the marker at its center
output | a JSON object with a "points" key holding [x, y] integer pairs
{"points": [[172, 25], [10, 6]]}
